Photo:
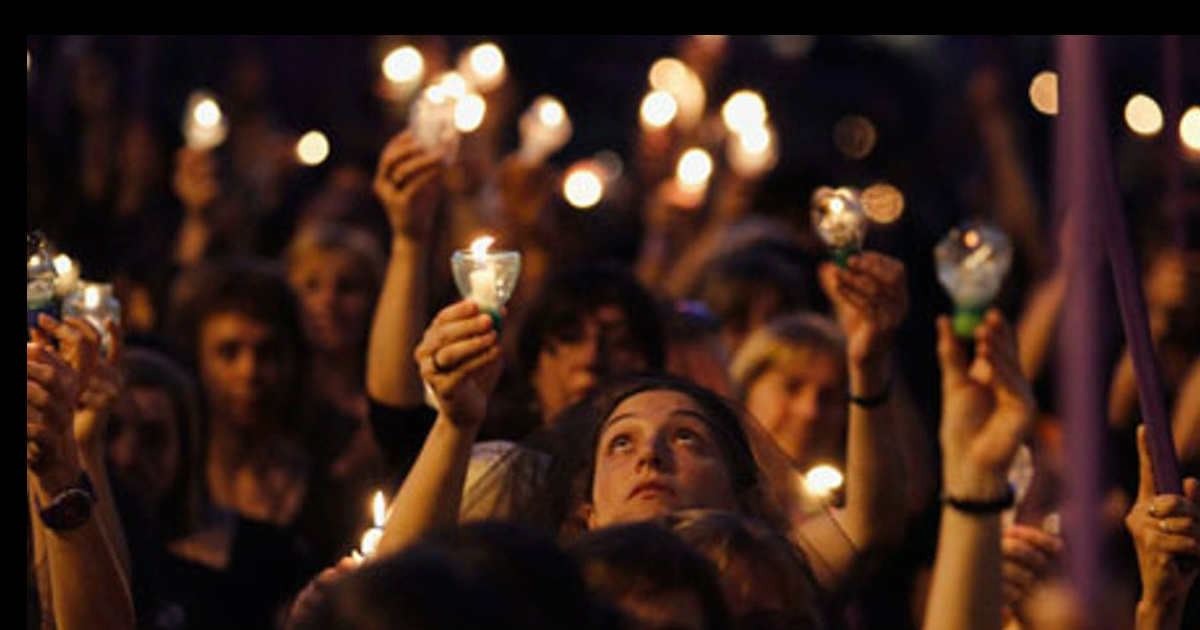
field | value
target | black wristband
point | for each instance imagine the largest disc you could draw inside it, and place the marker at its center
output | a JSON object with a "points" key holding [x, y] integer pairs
{"points": [[989, 506], [868, 402]]}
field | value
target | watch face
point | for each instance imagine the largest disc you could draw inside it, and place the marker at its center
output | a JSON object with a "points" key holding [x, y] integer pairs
{"points": [[69, 510]]}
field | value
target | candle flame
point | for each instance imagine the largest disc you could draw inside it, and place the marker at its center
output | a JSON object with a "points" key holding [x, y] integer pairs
{"points": [[91, 297], [370, 541], [836, 205], [971, 239], [822, 480], [480, 245], [551, 112], [63, 264], [379, 509]]}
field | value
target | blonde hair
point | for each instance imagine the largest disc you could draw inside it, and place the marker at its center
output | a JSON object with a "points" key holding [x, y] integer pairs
{"points": [[780, 341], [319, 238]]}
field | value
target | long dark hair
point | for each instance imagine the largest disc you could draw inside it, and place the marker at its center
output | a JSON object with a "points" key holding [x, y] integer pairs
{"points": [[550, 476]]}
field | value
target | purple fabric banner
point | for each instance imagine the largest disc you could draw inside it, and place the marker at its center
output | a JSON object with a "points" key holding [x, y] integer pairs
{"points": [[1078, 190]]}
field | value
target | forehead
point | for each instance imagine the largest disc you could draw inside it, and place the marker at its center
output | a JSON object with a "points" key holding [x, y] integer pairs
{"points": [[234, 326], [808, 363], [328, 262], [656, 405]]}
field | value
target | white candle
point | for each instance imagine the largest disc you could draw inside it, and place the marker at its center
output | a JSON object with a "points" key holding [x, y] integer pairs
{"points": [[482, 278]]}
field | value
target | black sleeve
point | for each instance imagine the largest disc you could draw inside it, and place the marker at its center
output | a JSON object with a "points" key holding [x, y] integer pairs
{"points": [[400, 432]]}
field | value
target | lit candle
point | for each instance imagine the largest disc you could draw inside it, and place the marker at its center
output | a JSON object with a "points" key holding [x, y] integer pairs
{"points": [[403, 67], [485, 277], [484, 66], [370, 539], [95, 303], [204, 125], [751, 151], [67, 275], [839, 220], [433, 119], [545, 128], [822, 481]]}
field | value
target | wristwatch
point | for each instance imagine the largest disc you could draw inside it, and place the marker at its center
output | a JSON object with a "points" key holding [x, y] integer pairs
{"points": [[71, 507]]}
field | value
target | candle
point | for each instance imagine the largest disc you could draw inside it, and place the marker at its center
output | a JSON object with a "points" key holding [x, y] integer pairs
{"points": [[482, 279], [822, 481], [545, 127], [67, 275], [485, 277], [95, 303], [204, 125], [369, 544], [838, 218]]}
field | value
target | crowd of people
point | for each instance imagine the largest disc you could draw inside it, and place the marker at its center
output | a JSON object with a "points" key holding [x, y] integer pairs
{"points": [[633, 440]]}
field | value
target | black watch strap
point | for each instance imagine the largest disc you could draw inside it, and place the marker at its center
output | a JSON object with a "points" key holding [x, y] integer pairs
{"points": [[71, 507]]}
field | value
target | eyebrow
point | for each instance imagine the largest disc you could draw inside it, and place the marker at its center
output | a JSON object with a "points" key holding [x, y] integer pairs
{"points": [[681, 411]]}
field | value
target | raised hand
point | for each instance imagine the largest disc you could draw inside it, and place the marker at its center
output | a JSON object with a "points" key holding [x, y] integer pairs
{"points": [[1164, 527], [459, 358], [870, 299], [1028, 557], [100, 393], [407, 183], [51, 390], [987, 408]]}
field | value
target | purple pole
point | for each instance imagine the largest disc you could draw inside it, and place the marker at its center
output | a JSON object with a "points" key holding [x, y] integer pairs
{"points": [[1078, 189]]}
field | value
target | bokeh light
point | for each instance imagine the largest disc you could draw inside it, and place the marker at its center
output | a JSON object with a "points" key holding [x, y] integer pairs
{"points": [[469, 112], [404, 65], [658, 109], [882, 202], [695, 167], [854, 136], [583, 186], [1189, 128], [1143, 115], [1043, 92], [743, 111], [312, 148], [485, 66]]}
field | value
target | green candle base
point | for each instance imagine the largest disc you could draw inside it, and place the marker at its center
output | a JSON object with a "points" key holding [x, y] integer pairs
{"points": [[841, 255], [966, 320]]}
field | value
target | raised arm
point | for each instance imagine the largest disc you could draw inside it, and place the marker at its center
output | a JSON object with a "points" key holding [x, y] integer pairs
{"points": [[84, 584], [461, 359], [408, 184], [987, 411], [871, 300]]}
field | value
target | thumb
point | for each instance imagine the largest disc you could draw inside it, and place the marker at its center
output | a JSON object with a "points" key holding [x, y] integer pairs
{"points": [[951, 357], [1146, 490], [1191, 490]]}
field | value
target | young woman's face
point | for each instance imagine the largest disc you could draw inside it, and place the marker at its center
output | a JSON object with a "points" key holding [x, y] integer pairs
{"points": [[144, 444], [802, 404], [243, 366], [336, 297], [657, 454]]}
